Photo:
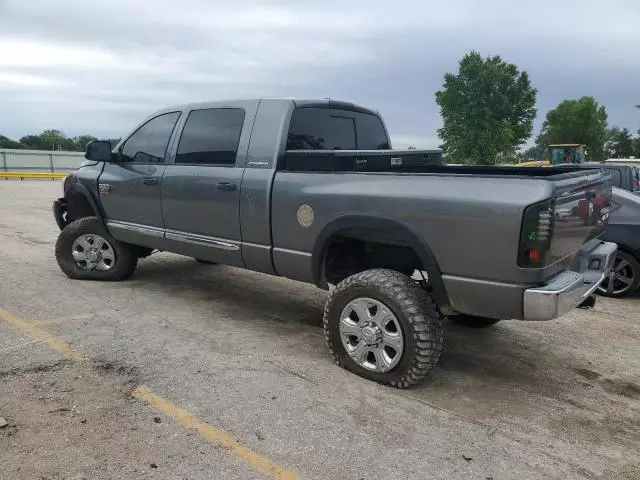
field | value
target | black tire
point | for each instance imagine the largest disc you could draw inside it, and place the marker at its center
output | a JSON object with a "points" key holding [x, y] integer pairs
{"points": [[204, 262], [416, 312], [125, 255], [142, 252], [473, 322], [631, 272]]}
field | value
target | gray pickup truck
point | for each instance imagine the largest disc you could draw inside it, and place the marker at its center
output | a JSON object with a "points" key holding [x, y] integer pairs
{"points": [[311, 190]]}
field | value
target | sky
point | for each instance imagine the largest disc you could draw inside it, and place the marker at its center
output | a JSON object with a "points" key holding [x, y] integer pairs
{"points": [[98, 68]]}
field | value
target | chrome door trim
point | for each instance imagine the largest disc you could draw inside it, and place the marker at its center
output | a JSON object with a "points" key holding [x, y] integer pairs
{"points": [[174, 235], [202, 240], [136, 228]]}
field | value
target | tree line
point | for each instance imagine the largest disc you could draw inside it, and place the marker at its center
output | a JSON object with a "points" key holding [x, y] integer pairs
{"points": [[52, 140], [586, 122], [488, 110]]}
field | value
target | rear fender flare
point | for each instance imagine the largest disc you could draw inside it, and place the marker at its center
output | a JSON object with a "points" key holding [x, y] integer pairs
{"points": [[403, 232]]}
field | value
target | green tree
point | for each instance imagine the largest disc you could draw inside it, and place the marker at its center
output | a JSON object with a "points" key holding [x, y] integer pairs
{"points": [[33, 142], [82, 141], [577, 121], [52, 140], [6, 142], [113, 141], [56, 140], [487, 109], [536, 152], [619, 144], [612, 134], [636, 146]]}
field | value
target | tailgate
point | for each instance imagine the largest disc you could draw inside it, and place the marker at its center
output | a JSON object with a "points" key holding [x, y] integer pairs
{"points": [[581, 211]]}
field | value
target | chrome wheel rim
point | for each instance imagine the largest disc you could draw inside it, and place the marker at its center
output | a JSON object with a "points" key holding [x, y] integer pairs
{"points": [[92, 252], [620, 278], [371, 334]]}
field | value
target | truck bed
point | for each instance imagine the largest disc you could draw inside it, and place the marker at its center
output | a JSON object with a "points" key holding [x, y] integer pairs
{"points": [[462, 212], [408, 161]]}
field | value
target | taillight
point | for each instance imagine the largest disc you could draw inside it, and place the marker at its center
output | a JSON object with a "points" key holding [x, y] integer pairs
{"points": [[536, 234]]}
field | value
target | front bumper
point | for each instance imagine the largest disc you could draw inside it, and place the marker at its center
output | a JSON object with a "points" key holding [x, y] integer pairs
{"points": [[570, 288], [60, 212]]}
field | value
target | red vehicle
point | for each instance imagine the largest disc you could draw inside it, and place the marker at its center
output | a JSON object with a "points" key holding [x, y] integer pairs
{"points": [[591, 210]]}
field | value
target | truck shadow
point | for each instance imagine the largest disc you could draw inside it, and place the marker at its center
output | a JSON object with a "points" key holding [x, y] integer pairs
{"points": [[252, 294]]}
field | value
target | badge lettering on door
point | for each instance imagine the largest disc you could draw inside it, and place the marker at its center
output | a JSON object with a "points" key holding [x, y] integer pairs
{"points": [[104, 189]]}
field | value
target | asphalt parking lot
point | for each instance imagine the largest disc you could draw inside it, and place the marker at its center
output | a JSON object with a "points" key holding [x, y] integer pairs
{"points": [[190, 371]]}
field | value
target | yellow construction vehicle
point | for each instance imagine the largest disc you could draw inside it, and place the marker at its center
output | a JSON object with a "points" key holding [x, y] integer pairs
{"points": [[535, 163], [560, 154], [566, 153]]}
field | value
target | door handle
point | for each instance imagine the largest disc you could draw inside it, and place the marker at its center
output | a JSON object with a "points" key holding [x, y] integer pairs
{"points": [[226, 186], [150, 181]]}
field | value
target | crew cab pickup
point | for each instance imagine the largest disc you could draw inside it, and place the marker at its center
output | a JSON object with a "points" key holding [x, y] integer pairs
{"points": [[311, 190]]}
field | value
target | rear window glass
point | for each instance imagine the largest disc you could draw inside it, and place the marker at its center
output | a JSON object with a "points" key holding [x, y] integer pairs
{"points": [[371, 133], [321, 129], [334, 129]]}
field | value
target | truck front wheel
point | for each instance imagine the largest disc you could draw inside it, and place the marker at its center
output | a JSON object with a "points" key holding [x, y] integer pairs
{"points": [[86, 251], [382, 326]]}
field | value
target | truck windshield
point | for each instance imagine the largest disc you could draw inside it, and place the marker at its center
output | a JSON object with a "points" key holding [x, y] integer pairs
{"points": [[334, 129]]}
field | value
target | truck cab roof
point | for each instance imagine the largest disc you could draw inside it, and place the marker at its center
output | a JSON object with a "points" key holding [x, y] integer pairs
{"points": [[296, 103]]}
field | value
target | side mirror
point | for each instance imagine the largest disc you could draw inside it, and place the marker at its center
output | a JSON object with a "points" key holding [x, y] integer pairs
{"points": [[98, 151]]}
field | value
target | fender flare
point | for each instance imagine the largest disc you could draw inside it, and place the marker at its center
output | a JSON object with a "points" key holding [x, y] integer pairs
{"points": [[370, 222], [79, 189]]}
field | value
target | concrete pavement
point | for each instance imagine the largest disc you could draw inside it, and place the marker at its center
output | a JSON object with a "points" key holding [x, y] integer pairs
{"points": [[240, 357]]}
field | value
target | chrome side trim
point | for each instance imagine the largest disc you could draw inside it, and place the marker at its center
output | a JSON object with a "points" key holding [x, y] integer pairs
{"points": [[202, 240], [292, 252], [174, 235], [136, 228]]}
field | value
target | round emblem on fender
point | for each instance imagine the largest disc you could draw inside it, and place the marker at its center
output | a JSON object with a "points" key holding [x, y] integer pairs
{"points": [[305, 215]]}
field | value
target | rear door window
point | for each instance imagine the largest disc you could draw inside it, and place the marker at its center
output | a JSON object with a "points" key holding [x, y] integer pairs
{"points": [[149, 143], [211, 137]]}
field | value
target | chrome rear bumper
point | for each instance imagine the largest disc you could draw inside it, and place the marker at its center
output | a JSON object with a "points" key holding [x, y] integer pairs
{"points": [[570, 288]]}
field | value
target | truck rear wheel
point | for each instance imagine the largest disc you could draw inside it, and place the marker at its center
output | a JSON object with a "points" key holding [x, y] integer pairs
{"points": [[473, 322], [86, 251], [381, 325]]}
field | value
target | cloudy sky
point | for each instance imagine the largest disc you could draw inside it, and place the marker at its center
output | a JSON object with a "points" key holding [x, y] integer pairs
{"points": [[99, 67]]}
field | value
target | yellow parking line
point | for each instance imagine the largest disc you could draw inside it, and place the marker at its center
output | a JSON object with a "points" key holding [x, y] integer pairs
{"points": [[54, 321], [219, 437], [14, 347], [58, 345], [212, 434]]}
